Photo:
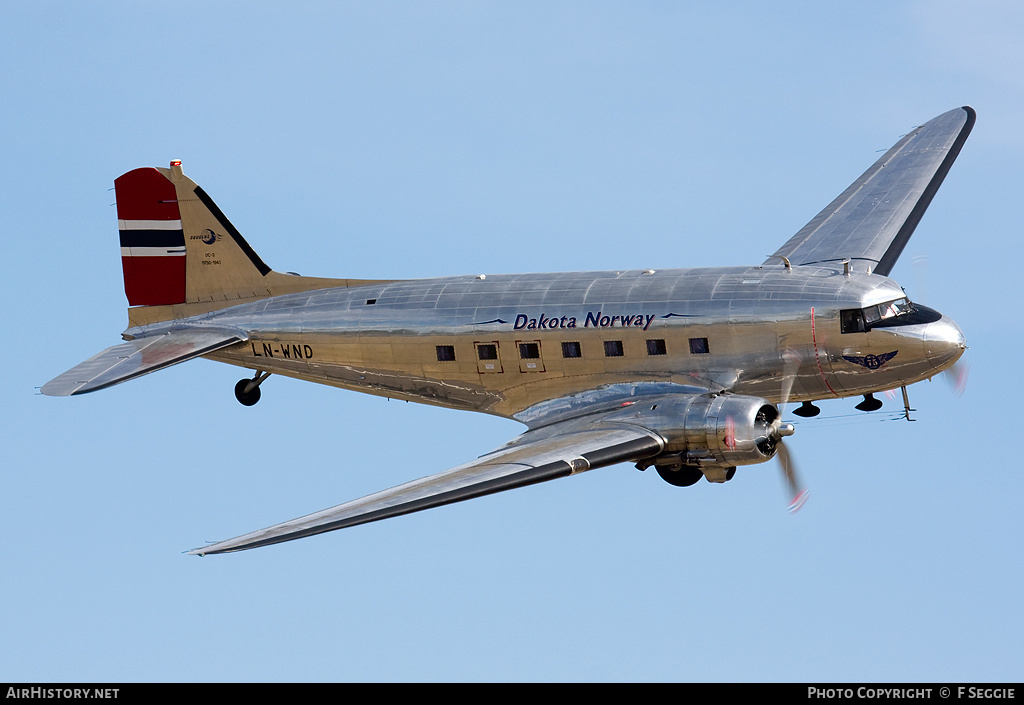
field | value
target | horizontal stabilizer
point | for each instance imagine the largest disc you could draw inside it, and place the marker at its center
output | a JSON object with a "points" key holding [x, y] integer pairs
{"points": [[140, 356]]}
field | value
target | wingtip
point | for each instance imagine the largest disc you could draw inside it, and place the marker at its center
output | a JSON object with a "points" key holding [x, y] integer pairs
{"points": [[972, 115], [201, 551]]}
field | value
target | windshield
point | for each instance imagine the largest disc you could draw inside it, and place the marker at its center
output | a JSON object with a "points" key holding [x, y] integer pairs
{"points": [[889, 309], [859, 320]]}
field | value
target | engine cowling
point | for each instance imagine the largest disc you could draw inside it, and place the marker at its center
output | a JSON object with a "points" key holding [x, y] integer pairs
{"points": [[710, 430]]}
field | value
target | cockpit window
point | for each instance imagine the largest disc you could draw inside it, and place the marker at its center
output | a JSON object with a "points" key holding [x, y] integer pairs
{"points": [[859, 320], [889, 309]]}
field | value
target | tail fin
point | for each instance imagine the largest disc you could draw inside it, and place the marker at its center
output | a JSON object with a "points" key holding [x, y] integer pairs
{"points": [[181, 256]]}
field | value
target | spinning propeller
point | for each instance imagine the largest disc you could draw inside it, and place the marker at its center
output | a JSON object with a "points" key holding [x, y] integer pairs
{"points": [[957, 375], [797, 491]]}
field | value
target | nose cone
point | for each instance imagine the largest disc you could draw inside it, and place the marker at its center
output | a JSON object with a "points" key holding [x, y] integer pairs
{"points": [[944, 342]]}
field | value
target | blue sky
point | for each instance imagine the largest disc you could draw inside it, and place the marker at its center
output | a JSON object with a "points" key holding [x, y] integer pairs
{"points": [[392, 139]]}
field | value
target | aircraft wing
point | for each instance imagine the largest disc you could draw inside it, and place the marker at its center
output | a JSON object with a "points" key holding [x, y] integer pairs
{"points": [[141, 356], [538, 455], [873, 219]]}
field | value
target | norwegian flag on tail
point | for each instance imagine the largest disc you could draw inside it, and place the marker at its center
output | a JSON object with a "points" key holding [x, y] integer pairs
{"points": [[152, 240]]}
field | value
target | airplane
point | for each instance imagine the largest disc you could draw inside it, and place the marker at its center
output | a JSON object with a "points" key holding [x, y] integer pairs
{"points": [[684, 370]]}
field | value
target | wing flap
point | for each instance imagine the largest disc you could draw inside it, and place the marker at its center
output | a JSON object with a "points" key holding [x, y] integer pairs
{"points": [[873, 219], [141, 356], [536, 456]]}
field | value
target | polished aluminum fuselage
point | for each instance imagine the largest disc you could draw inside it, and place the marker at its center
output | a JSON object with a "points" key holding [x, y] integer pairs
{"points": [[771, 331]]}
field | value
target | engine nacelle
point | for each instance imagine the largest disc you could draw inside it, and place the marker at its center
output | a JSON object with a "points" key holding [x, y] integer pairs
{"points": [[717, 430]]}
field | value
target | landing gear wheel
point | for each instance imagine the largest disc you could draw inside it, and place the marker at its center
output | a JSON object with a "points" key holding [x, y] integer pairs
{"points": [[247, 398], [869, 403], [807, 410], [685, 476]]}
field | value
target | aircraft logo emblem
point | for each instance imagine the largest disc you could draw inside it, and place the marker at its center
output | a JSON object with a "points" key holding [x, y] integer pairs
{"points": [[872, 362]]}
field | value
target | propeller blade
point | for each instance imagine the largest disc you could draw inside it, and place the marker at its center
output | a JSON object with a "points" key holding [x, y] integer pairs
{"points": [[789, 474], [791, 362], [730, 433], [957, 376]]}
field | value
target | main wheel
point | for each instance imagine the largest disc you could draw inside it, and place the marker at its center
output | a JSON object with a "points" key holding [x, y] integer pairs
{"points": [[685, 476], [250, 398], [869, 403]]}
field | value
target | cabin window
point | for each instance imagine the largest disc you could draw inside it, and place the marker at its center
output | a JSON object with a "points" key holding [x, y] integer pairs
{"points": [[487, 351], [699, 346], [852, 321], [529, 351], [446, 353], [571, 350], [613, 348], [656, 347], [371, 302]]}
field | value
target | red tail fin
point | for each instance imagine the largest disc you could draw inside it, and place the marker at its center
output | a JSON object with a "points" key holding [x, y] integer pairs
{"points": [[152, 240]]}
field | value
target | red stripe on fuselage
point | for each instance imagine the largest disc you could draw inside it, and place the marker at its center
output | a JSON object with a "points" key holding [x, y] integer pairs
{"points": [[817, 357]]}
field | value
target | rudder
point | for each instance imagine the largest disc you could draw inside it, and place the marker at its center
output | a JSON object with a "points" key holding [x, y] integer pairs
{"points": [[152, 240]]}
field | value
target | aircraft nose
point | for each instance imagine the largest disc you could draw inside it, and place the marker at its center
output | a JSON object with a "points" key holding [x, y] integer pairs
{"points": [[944, 342]]}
